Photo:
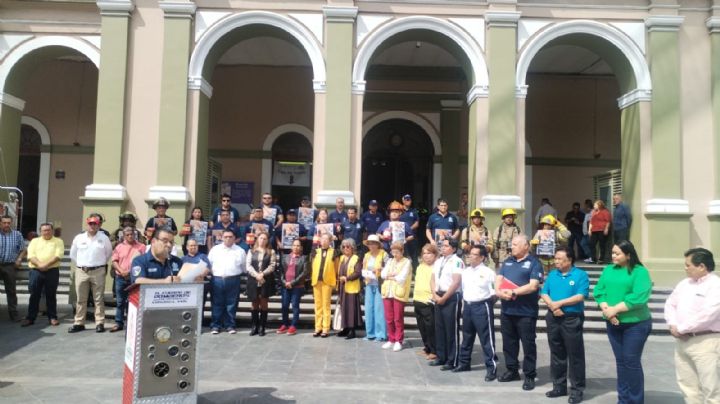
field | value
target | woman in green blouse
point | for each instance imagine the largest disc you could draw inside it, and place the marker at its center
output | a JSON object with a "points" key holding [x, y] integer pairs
{"points": [[622, 292]]}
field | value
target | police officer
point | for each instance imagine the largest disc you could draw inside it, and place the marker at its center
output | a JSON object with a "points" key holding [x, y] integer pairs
{"points": [[478, 318], [352, 228], [411, 217], [442, 221], [445, 286], [157, 265], [372, 219], [503, 235]]}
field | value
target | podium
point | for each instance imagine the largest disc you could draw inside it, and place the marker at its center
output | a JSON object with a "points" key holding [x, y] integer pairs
{"points": [[161, 345]]}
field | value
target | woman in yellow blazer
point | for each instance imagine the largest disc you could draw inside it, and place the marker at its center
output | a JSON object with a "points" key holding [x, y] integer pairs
{"points": [[323, 280], [349, 270], [395, 291]]}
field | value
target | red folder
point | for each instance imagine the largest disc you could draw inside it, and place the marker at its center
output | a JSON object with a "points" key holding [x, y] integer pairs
{"points": [[508, 284]]}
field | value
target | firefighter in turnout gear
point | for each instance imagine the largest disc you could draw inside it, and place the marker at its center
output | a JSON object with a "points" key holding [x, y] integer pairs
{"points": [[551, 235], [475, 234], [501, 237]]}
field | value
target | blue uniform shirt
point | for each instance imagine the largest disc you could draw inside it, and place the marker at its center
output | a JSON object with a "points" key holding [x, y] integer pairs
{"points": [[410, 216], [520, 273], [385, 226], [437, 221], [372, 222], [146, 266], [196, 259], [559, 286], [353, 231], [337, 217], [234, 215]]}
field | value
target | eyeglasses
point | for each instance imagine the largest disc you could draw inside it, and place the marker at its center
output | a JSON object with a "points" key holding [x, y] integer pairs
{"points": [[166, 241], [345, 246]]}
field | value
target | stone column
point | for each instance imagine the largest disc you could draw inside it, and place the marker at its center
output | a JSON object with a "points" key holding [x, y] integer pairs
{"points": [[335, 138], [450, 140], [11, 108], [666, 212], [503, 150], [171, 179], [713, 24], [106, 194]]}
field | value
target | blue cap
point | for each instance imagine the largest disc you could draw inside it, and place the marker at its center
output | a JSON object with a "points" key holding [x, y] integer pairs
{"points": [[291, 212], [372, 202], [407, 197]]}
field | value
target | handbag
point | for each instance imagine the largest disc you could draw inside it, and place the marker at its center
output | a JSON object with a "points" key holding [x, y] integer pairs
{"points": [[337, 318]]}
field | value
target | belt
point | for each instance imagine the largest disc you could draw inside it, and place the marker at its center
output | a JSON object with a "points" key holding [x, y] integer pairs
{"points": [[92, 268], [699, 333], [7, 263], [488, 300]]}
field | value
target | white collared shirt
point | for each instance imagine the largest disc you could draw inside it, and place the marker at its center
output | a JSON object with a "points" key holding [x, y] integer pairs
{"points": [[227, 261], [478, 283], [444, 269], [89, 251]]}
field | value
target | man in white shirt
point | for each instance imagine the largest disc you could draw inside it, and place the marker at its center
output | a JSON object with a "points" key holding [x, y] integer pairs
{"points": [[90, 252], [445, 286], [228, 263], [478, 298]]}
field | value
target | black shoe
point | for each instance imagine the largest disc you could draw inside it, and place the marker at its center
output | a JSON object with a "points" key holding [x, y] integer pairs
{"points": [[263, 323], [76, 328], [447, 367], [100, 328], [509, 376], [316, 334], [529, 383], [490, 376], [254, 322], [343, 333], [435, 362], [556, 392], [324, 335], [575, 398], [461, 368], [351, 334]]}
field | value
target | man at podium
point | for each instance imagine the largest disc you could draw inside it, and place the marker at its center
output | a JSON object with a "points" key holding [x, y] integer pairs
{"points": [[157, 265]]}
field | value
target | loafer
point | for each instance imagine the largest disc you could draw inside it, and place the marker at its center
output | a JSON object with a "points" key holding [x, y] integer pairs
{"points": [[435, 362], [556, 393], [461, 368], [490, 376], [509, 376], [54, 322], [116, 328], [76, 328], [447, 367], [100, 328], [575, 398], [26, 323], [324, 335], [528, 384], [316, 334]]}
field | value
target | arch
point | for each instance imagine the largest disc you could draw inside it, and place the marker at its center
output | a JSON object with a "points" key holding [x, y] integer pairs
{"points": [[452, 31], [283, 129], [16, 54], [419, 120], [624, 44], [216, 32], [44, 180]]}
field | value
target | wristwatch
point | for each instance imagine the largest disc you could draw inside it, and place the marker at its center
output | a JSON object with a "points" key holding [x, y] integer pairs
{"points": [[514, 295]]}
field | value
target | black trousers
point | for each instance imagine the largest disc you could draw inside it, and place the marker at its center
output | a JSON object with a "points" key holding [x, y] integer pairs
{"points": [[425, 316], [478, 319], [595, 238], [517, 329], [567, 350], [447, 330]]}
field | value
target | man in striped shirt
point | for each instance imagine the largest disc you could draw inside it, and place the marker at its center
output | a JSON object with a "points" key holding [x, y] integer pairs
{"points": [[12, 252]]}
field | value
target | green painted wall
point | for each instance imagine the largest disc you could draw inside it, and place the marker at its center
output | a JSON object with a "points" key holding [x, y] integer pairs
{"points": [[715, 83], [202, 149], [472, 155], [450, 139], [666, 132], [630, 165], [107, 167], [338, 111], [173, 102], [502, 111], [9, 144]]}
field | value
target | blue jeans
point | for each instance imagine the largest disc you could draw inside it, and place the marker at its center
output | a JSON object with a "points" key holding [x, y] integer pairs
{"points": [[374, 313], [627, 342], [46, 282], [225, 293], [585, 245], [291, 296], [121, 298]]}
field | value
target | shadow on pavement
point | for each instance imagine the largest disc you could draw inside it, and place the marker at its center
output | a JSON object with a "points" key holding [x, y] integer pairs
{"points": [[663, 397], [5, 384], [13, 337], [243, 395]]}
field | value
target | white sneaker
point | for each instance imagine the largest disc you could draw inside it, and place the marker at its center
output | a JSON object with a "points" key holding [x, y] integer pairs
{"points": [[387, 345], [588, 260], [397, 347]]}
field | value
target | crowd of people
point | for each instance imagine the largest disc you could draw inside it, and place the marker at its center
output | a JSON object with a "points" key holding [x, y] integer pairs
{"points": [[373, 264]]}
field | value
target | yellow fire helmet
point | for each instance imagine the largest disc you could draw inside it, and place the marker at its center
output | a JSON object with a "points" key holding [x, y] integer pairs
{"points": [[548, 219], [508, 211], [477, 213]]}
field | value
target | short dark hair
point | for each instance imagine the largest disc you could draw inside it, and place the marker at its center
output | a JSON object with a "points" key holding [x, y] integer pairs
{"points": [[568, 253], [481, 250], [701, 256], [452, 243], [225, 196], [6, 217], [46, 224], [441, 200], [352, 208], [229, 231], [156, 235]]}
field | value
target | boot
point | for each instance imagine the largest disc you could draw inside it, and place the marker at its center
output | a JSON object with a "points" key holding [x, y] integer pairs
{"points": [[263, 322], [254, 322]]}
